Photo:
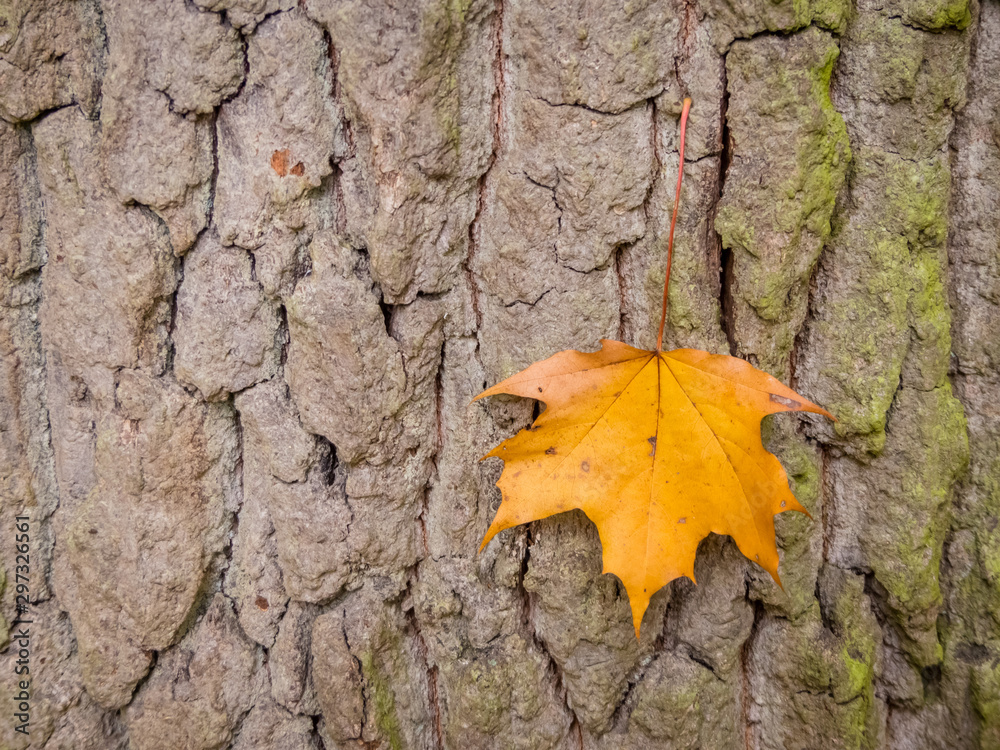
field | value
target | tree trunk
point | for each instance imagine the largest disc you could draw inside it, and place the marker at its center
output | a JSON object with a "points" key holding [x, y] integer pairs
{"points": [[259, 255]]}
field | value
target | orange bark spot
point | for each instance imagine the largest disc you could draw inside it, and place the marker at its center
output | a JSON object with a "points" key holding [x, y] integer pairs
{"points": [[279, 162]]}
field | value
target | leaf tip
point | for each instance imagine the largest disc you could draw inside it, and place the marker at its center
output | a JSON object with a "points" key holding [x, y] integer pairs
{"points": [[817, 409], [490, 533], [777, 579], [637, 622], [823, 412], [494, 529], [639, 605], [790, 502]]}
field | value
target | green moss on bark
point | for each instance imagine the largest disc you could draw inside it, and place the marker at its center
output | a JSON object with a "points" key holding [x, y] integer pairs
{"points": [[382, 701], [789, 165], [905, 533]]}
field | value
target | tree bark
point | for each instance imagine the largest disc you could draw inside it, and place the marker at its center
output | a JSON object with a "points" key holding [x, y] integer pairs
{"points": [[257, 257]]}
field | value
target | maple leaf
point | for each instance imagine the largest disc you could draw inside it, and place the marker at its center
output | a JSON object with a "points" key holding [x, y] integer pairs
{"points": [[659, 449]]}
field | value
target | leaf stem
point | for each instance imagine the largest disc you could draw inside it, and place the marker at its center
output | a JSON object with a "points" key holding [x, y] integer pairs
{"points": [[673, 222]]}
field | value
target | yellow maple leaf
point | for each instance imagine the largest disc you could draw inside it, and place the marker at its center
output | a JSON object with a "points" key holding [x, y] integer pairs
{"points": [[659, 449]]}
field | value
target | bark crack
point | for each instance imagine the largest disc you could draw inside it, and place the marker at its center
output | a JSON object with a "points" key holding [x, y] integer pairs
{"points": [[726, 276], [430, 671], [528, 623], [499, 75], [594, 110], [616, 257], [745, 667]]}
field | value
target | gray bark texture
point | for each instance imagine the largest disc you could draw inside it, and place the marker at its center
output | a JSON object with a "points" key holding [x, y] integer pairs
{"points": [[257, 257]]}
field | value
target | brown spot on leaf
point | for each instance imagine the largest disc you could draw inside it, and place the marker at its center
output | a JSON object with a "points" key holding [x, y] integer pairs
{"points": [[652, 442], [279, 162], [585, 465], [682, 520], [789, 402], [783, 503], [539, 389], [551, 451], [261, 603]]}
